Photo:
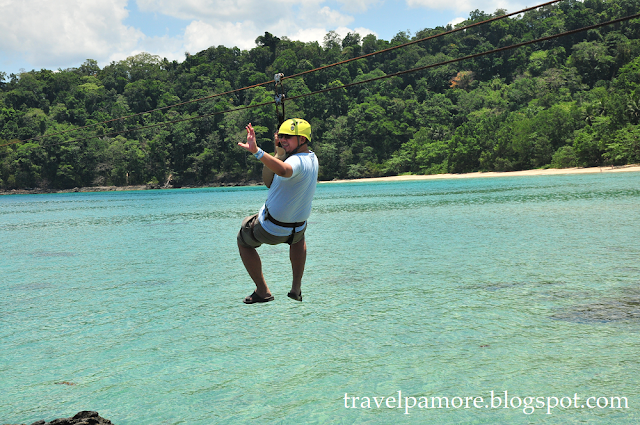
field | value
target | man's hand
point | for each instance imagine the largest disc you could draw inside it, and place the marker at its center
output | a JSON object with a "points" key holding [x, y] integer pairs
{"points": [[280, 153], [251, 144], [277, 166]]}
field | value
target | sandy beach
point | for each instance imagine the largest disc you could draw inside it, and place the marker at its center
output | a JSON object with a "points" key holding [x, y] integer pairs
{"points": [[545, 172]]}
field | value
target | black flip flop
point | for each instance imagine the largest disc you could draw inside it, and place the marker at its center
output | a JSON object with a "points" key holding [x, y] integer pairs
{"points": [[255, 298], [297, 297]]}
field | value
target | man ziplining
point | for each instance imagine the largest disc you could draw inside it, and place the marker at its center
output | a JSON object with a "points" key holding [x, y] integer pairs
{"points": [[283, 217]]}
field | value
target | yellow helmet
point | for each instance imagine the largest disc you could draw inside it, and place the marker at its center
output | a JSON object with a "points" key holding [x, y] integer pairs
{"points": [[296, 127]]}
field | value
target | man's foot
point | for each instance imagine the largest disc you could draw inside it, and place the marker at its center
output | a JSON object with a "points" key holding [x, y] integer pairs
{"points": [[294, 296], [255, 298]]}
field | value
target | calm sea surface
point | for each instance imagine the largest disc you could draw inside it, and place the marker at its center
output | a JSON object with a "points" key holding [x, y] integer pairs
{"points": [[130, 304]]}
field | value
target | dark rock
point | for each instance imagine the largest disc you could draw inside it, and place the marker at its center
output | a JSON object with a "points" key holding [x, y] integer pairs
{"points": [[81, 418]]}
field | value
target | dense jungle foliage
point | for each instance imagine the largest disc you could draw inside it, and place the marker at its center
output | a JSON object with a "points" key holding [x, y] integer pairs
{"points": [[570, 101]]}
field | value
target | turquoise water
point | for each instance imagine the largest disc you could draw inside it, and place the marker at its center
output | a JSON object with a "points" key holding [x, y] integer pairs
{"points": [[129, 303]]}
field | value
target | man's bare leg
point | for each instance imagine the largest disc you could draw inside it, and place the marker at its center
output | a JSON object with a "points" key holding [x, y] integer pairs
{"points": [[298, 257], [253, 264]]}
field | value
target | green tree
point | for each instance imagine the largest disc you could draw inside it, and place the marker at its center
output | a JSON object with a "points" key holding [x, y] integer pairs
{"points": [[592, 61], [624, 147]]}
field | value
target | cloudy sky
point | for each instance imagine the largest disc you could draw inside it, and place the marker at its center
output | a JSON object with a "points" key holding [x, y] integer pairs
{"points": [[53, 34]]}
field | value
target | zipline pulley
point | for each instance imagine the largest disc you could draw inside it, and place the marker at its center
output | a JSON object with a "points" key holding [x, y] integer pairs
{"points": [[267, 174], [279, 98]]}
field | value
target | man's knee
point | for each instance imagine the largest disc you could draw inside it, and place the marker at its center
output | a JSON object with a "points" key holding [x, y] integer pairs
{"points": [[241, 242], [246, 237]]}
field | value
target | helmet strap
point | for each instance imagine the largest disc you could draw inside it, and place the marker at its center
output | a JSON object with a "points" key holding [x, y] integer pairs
{"points": [[295, 151]]}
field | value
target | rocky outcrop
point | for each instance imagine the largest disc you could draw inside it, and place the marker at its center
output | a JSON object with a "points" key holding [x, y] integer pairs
{"points": [[81, 418]]}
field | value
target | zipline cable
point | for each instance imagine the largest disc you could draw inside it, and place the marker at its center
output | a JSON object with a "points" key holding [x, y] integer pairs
{"points": [[423, 39], [615, 21], [285, 77], [538, 40], [475, 55]]}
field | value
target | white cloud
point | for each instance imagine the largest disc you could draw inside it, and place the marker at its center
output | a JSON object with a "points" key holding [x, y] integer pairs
{"points": [[227, 23], [326, 16], [165, 47], [364, 31], [65, 32], [343, 31], [230, 10], [309, 35], [487, 6], [358, 6], [201, 35], [205, 10], [455, 21]]}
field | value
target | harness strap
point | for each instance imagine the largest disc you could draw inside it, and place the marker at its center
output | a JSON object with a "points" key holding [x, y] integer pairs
{"points": [[281, 224]]}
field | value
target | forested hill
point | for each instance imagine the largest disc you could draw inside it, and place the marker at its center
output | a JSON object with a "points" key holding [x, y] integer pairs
{"points": [[569, 101]]}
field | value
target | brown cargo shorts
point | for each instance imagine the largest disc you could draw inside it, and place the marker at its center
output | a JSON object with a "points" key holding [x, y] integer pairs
{"points": [[252, 235]]}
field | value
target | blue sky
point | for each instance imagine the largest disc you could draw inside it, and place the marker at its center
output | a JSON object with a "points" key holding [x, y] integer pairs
{"points": [[385, 18], [42, 34]]}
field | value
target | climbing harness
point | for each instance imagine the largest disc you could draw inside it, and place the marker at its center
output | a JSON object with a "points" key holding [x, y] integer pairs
{"points": [[292, 226]]}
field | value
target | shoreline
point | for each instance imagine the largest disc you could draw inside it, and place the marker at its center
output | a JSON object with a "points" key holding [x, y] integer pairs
{"points": [[524, 173], [479, 174], [119, 188]]}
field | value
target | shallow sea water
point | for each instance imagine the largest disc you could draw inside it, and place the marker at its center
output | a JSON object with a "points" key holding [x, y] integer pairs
{"points": [[129, 303]]}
